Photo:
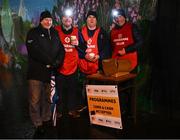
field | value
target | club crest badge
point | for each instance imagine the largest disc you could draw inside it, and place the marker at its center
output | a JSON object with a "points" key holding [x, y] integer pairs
{"points": [[89, 41], [67, 39]]}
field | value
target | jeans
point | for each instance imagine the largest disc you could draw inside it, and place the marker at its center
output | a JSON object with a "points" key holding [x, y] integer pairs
{"points": [[39, 102]]}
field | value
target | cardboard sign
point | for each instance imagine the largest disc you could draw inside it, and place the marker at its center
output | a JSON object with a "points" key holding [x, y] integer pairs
{"points": [[104, 106]]}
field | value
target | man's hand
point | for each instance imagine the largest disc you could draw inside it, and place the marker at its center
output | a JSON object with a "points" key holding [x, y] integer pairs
{"points": [[96, 58], [90, 58], [75, 42], [122, 52]]}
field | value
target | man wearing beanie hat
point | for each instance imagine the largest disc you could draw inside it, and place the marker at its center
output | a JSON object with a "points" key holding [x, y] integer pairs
{"points": [[125, 39], [66, 79], [92, 13], [120, 12], [97, 42], [98, 46], [45, 54], [45, 14]]}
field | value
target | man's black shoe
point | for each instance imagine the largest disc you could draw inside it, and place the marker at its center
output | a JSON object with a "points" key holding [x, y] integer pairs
{"points": [[81, 108], [74, 114], [40, 129], [47, 124], [59, 115], [39, 132]]}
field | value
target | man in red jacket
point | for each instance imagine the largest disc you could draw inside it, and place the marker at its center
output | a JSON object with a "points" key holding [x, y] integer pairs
{"points": [[98, 45], [125, 39], [98, 48], [67, 77]]}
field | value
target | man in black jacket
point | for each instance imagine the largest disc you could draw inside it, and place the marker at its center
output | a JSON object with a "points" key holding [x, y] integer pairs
{"points": [[45, 53]]}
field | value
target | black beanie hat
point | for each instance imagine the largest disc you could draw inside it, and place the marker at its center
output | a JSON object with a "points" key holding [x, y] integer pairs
{"points": [[121, 12], [45, 14], [93, 13]]}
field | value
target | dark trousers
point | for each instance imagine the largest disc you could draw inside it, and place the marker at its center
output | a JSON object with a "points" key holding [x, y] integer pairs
{"points": [[82, 88], [66, 86], [39, 102]]}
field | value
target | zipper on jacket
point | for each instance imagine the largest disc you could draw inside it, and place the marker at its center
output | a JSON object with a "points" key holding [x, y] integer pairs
{"points": [[49, 34]]}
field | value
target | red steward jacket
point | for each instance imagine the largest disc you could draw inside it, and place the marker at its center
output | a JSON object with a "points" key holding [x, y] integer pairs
{"points": [[86, 66], [71, 54], [121, 38]]}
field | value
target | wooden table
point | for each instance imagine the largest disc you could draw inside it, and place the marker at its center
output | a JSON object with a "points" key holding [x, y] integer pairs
{"points": [[124, 82]]}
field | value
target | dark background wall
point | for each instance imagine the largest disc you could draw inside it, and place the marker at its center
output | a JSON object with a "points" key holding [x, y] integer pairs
{"points": [[166, 59]]}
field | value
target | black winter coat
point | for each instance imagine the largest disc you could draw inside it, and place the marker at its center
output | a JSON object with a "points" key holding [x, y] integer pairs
{"points": [[44, 48]]}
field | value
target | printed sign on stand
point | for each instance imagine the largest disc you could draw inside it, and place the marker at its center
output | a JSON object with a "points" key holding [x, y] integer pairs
{"points": [[104, 106]]}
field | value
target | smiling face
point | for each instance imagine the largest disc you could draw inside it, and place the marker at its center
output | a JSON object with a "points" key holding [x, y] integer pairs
{"points": [[91, 21], [46, 23], [67, 21], [120, 20]]}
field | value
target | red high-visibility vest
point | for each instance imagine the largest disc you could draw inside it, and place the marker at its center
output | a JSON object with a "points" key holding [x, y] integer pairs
{"points": [[86, 66], [71, 54], [121, 38]]}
